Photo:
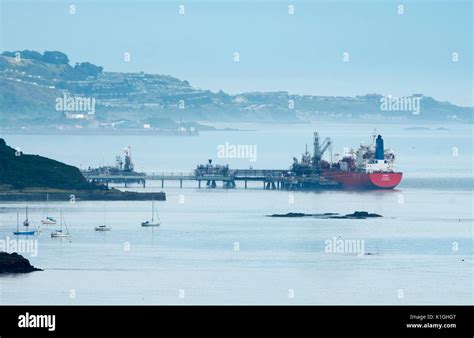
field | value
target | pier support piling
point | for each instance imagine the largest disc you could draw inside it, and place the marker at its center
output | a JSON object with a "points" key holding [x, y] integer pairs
{"points": [[229, 184]]}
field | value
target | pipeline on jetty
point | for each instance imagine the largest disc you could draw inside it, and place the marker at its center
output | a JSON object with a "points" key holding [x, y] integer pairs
{"points": [[304, 174], [208, 175]]}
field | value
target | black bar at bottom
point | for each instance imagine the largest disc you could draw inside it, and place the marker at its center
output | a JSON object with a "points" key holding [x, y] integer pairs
{"points": [[155, 321]]}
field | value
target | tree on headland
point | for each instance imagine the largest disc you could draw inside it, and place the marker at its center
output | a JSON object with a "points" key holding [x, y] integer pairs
{"points": [[55, 57]]}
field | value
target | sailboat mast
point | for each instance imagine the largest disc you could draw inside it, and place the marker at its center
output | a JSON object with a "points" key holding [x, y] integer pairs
{"points": [[17, 222], [152, 209], [65, 225], [46, 206]]}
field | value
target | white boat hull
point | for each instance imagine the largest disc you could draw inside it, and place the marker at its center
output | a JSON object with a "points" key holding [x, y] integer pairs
{"points": [[146, 224], [59, 235]]}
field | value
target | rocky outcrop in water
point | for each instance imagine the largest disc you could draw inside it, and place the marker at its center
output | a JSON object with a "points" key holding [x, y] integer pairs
{"points": [[358, 215], [329, 215], [15, 263], [299, 214]]}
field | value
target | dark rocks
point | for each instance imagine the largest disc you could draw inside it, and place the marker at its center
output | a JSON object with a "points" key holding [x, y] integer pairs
{"points": [[328, 215], [15, 263], [357, 215], [290, 214], [299, 214]]}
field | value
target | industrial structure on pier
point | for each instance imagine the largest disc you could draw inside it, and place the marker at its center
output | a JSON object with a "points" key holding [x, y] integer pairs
{"points": [[370, 167], [122, 172]]}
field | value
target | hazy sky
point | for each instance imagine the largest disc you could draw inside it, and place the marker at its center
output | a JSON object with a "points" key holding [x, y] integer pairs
{"points": [[301, 53]]}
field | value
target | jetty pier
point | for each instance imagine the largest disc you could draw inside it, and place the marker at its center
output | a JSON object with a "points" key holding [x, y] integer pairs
{"points": [[271, 179]]}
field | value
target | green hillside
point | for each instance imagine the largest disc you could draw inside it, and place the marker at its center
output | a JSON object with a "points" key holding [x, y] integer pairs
{"points": [[18, 171]]}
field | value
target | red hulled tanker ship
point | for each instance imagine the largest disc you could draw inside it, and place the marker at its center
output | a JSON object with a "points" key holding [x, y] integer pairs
{"points": [[369, 167]]}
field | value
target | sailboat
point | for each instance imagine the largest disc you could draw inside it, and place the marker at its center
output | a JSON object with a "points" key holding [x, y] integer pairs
{"points": [[152, 223], [22, 232], [103, 227], [61, 233], [47, 220], [26, 222]]}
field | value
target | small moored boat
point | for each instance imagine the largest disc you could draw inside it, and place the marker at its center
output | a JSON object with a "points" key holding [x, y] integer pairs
{"points": [[152, 223], [26, 224], [47, 220], [102, 228], [61, 233]]}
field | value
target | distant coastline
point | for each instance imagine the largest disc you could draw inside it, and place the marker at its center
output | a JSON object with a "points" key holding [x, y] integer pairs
{"points": [[101, 131], [44, 89]]}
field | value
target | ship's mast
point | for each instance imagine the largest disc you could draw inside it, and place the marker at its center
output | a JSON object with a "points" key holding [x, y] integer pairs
{"points": [[374, 136], [319, 150], [128, 166], [316, 149]]}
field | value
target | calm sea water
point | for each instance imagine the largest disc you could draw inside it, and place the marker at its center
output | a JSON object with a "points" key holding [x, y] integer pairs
{"points": [[218, 246]]}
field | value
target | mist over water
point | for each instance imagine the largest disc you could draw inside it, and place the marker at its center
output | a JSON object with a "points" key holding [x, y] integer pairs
{"points": [[431, 153], [216, 246]]}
